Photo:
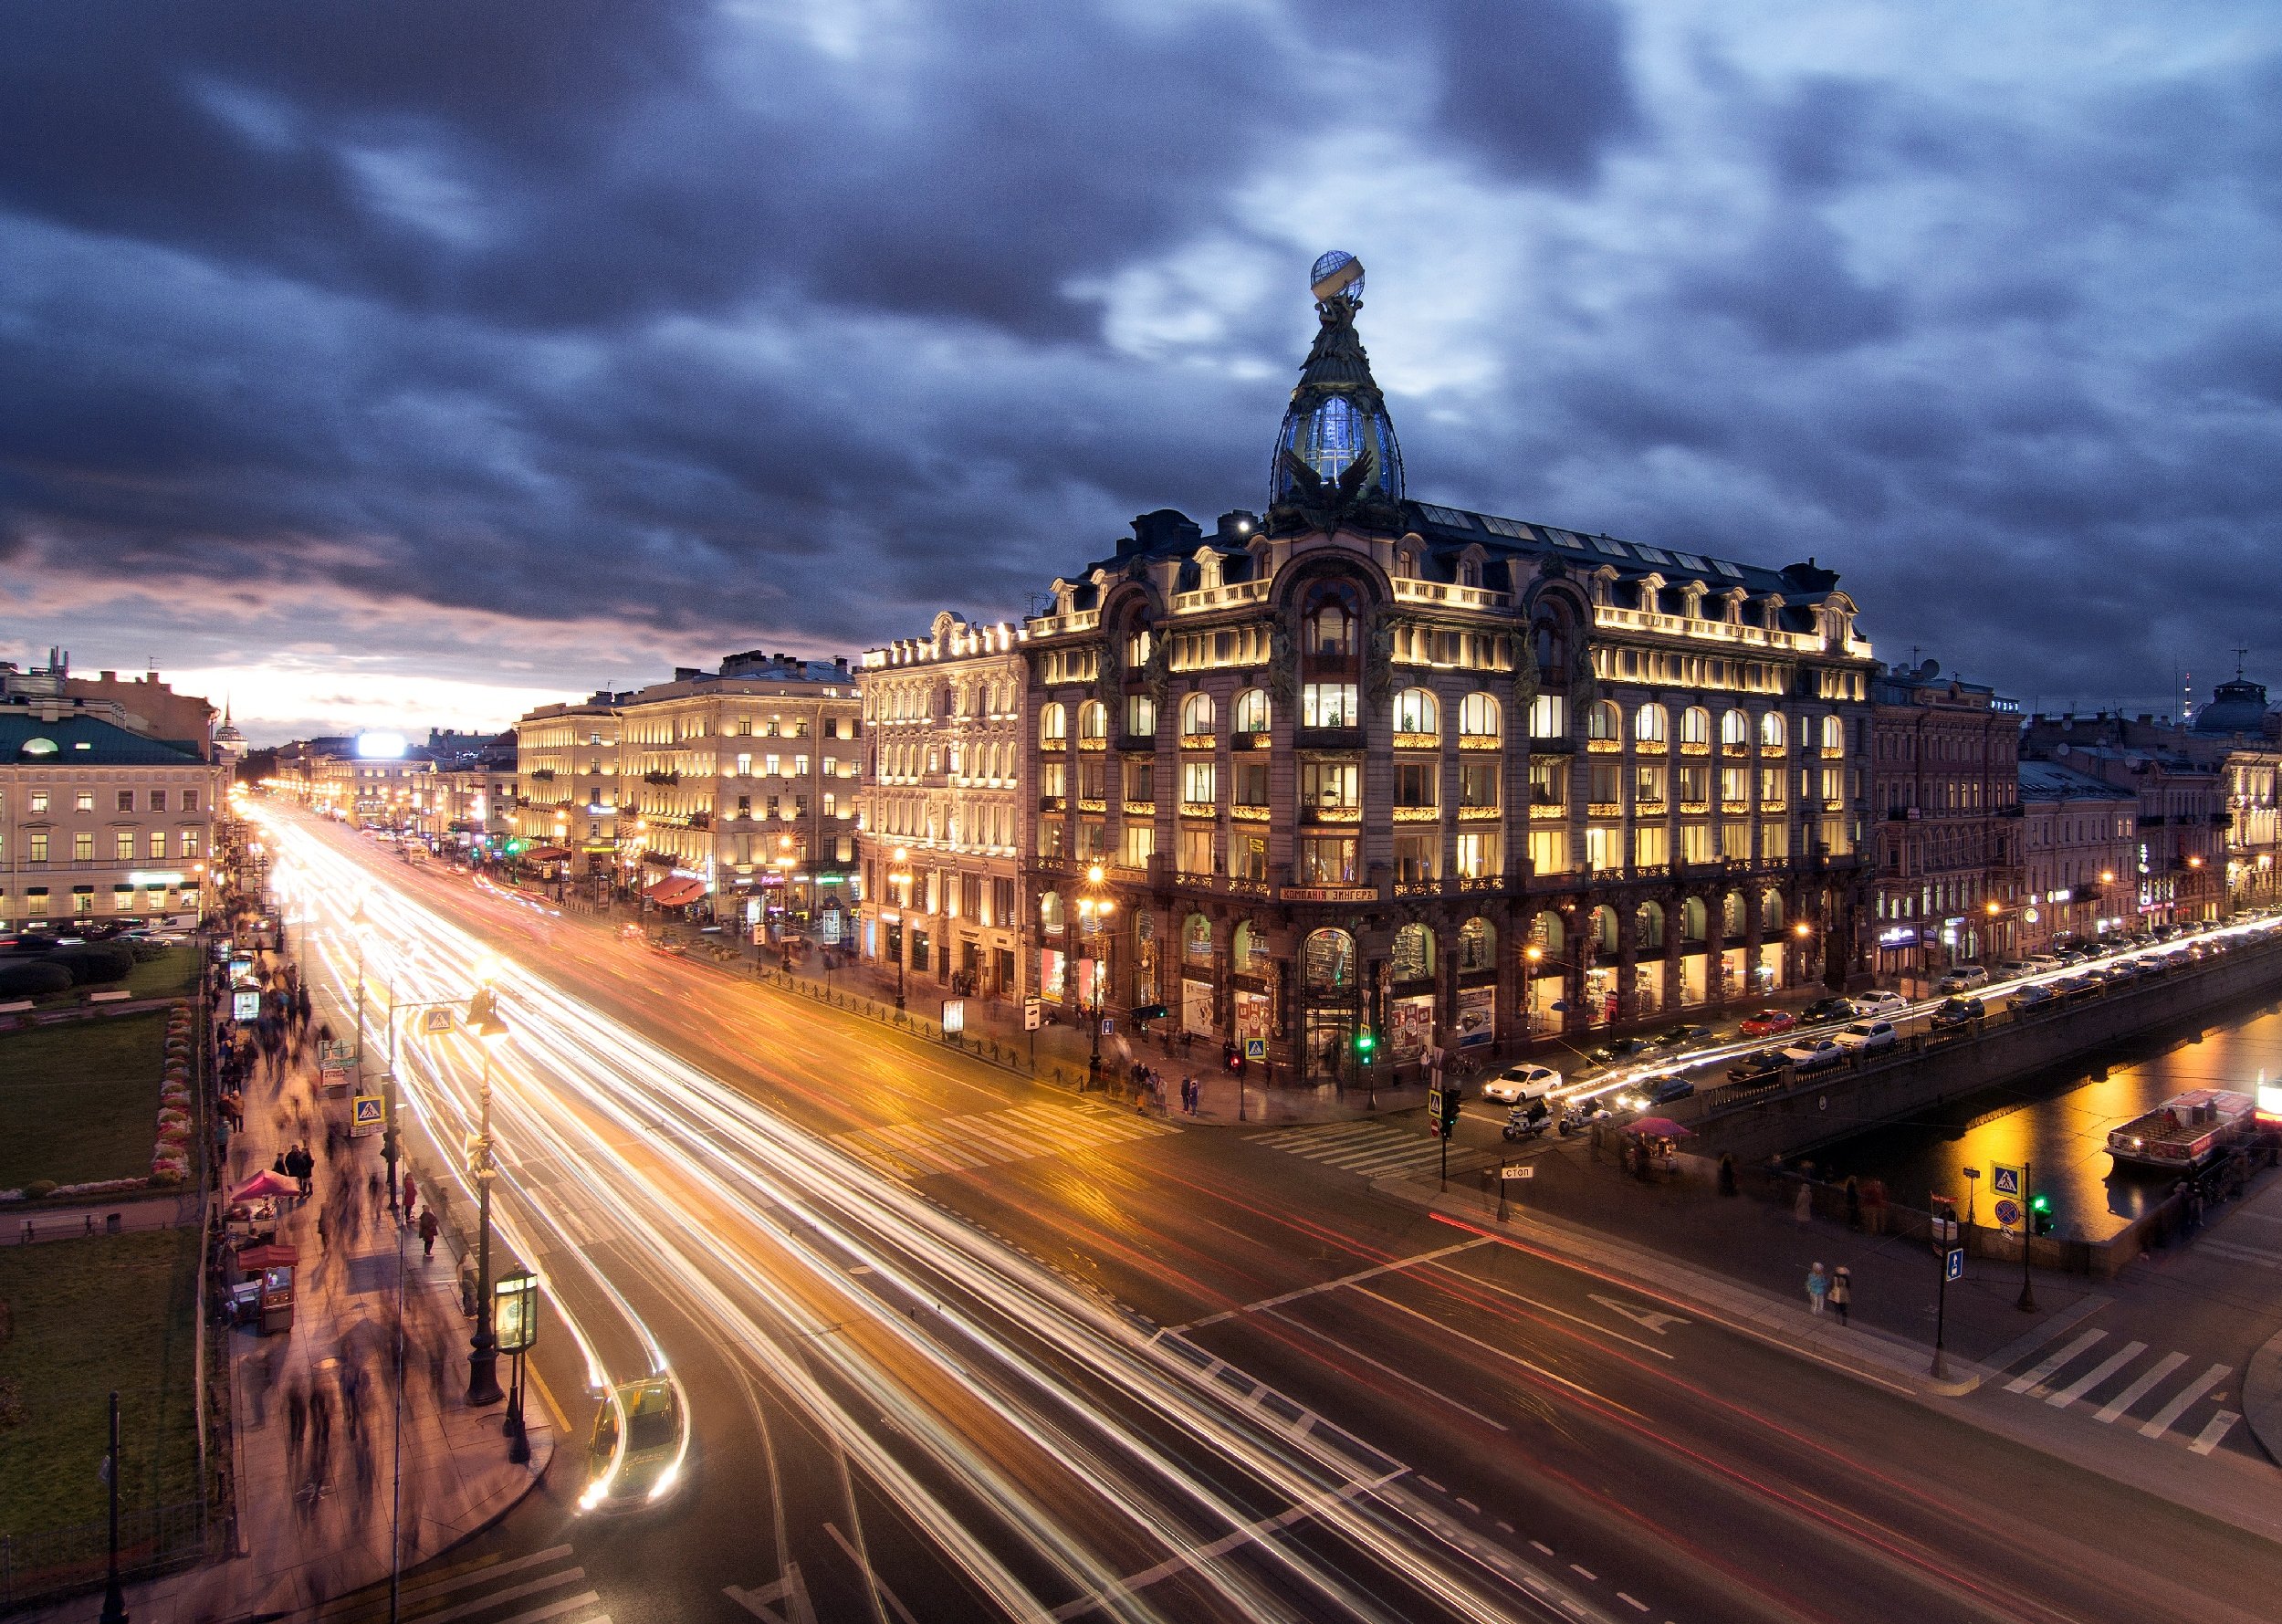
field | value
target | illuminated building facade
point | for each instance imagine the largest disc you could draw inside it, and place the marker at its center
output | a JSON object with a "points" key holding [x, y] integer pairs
{"points": [[99, 821], [2079, 849]]}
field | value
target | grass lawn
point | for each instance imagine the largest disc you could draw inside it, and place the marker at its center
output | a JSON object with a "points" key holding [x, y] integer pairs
{"points": [[79, 1101], [172, 974], [113, 1311]]}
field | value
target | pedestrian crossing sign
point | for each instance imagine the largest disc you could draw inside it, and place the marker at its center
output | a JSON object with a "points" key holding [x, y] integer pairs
{"points": [[364, 1115], [1256, 1049], [435, 1021], [2004, 1180]]}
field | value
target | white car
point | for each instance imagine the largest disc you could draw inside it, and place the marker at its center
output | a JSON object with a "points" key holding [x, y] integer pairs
{"points": [[1810, 1054], [1517, 1084], [1884, 1003], [1864, 1036]]}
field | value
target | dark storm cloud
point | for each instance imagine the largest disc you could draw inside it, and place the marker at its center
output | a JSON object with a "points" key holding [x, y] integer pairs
{"points": [[796, 322]]}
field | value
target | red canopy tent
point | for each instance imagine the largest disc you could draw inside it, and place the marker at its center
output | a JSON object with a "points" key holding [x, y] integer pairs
{"points": [[265, 1184]]}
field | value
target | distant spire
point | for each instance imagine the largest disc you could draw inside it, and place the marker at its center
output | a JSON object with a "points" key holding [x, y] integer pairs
{"points": [[1336, 459]]}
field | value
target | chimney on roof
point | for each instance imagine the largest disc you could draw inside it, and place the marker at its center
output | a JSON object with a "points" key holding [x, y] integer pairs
{"points": [[841, 661], [107, 676]]}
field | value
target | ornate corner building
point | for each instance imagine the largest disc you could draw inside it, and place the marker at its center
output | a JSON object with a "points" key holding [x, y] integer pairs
{"points": [[1379, 764]]}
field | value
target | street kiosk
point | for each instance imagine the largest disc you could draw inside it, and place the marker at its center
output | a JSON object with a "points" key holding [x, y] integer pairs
{"points": [[273, 1266]]}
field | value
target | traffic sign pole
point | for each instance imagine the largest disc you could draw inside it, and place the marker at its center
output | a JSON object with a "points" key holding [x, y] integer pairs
{"points": [[1952, 1263], [2027, 1304]]}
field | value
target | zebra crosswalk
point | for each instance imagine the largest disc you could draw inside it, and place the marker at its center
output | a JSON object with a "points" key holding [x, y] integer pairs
{"points": [[1374, 1149], [2087, 1371], [991, 1138], [545, 1586]]}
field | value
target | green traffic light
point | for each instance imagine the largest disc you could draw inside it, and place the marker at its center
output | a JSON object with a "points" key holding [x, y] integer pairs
{"points": [[2041, 1204]]}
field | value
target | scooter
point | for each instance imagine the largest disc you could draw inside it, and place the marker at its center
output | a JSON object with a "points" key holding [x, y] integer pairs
{"points": [[1577, 1122]]}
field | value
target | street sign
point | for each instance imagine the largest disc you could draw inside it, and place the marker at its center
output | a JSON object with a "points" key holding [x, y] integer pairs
{"points": [[954, 1016], [1256, 1049], [1515, 1171], [2008, 1213], [1109, 1025], [1033, 1014], [435, 1021], [832, 928], [2004, 1179], [1954, 1268], [365, 1115]]}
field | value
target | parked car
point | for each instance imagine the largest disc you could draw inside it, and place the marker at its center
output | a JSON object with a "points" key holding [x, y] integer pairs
{"points": [[1655, 1091], [1811, 1054], [1516, 1083], [1958, 1011], [1864, 1036], [1768, 1023], [2033, 996], [1884, 1003], [1680, 1037], [1963, 979], [1825, 1010], [2011, 967], [1761, 1065], [1609, 1053]]}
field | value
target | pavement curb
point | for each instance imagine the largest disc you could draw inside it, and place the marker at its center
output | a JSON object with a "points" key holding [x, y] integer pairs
{"points": [[2262, 1397], [1861, 1351]]}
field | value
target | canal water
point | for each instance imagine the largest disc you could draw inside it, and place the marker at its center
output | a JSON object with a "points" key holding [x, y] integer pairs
{"points": [[2059, 1124]]}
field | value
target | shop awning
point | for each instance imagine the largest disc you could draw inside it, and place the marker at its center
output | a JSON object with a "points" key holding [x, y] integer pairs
{"points": [[672, 893], [545, 854]]}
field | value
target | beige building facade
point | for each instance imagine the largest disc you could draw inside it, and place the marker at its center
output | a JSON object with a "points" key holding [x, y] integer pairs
{"points": [[99, 823]]}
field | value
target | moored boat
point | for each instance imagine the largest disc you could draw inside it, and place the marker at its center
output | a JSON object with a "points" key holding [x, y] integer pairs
{"points": [[2184, 1133]]}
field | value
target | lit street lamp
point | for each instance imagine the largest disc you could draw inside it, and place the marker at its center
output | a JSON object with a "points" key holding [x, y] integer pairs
{"points": [[899, 876], [1093, 912], [491, 1029]]}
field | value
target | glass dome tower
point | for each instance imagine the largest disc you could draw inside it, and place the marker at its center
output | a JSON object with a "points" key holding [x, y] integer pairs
{"points": [[1335, 456]]}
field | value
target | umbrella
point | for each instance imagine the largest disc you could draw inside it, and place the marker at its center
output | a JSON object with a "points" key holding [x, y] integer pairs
{"points": [[263, 1184], [1658, 1127]]}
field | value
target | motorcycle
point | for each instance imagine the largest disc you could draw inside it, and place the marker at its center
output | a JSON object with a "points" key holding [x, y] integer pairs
{"points": [[1525, 1122], [1577, 1122]]}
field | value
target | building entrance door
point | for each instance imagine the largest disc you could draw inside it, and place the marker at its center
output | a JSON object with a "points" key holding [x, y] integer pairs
{"points": [[1326, 1046]]}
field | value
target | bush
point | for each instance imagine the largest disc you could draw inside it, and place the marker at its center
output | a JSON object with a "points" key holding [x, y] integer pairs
{"points": [[34, 979], [146, 951], [94, 962], [40, 1188]]}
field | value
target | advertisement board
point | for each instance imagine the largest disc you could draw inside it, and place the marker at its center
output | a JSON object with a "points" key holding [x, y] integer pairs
{"points": [[1409, 1026], [1477, 1016], [1195, 1006], [246, 1005], [1253, 1020]]}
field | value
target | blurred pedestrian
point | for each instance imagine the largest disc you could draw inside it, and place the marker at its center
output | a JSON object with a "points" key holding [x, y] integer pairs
{"points": [[1817, 1288], [1854, 1202], [1841, 1291], [429, 1227], [411, 1194], [296, 1418], [1803, 1204]]}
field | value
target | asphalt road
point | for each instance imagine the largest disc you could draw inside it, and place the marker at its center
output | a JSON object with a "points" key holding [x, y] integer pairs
{"points": [[957, 1346]]}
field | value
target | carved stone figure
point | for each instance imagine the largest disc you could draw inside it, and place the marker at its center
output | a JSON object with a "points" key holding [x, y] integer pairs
{"points": [[1380, 673], [1283, 665]]}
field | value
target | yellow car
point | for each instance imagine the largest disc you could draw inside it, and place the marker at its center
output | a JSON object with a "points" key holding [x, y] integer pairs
{"points": [[639, 1442]]}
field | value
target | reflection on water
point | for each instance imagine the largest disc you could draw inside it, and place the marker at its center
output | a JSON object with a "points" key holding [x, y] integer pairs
{"points": [[2061, 1127]]}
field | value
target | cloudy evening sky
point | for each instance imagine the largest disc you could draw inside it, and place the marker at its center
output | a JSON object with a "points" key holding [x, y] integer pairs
{"points": [[419, 362]]}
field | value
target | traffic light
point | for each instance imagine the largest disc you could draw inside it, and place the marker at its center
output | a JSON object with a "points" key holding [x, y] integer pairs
{"points": [[1366, 1046], [2040, 1215], [1442, 1109]]}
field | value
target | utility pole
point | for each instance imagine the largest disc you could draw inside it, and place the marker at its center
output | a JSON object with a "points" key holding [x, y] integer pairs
{"points": [[2027, 1304], [114, 1598]]}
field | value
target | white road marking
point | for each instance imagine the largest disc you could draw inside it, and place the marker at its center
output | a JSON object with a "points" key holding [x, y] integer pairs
{"points": [[2159, 1422], [2214, 1430], [2029, 1379], [2243, 1254], [1592, 1325], [1635, 1600], [2137, 1389], [1330, 1285], [2098, 1373], [1588, 1573], [477, 1576], [1652, 1318]]}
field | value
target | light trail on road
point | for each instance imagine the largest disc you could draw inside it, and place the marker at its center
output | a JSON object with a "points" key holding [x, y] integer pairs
{"points": [[1076, 1395]]}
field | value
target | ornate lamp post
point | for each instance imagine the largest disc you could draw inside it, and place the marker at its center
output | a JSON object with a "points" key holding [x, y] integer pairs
{"points": [[490, 1029], [1093, 912], [899, 877]]}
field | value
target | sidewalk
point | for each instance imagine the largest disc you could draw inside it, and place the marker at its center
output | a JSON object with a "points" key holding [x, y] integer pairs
{"points": [[314, 1501]]}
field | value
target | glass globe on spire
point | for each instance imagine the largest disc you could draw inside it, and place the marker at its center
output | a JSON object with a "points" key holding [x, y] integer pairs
{"points": [[1336, 459]]}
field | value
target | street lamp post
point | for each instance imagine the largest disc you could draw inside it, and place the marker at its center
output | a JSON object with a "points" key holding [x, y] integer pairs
{"points": [[1093, 912], [483, 1382], [899, 876]]}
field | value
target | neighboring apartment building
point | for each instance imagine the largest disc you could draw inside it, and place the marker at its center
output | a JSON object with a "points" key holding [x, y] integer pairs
{"points": [[2179, 865], [2079, 849], [2237, 724], [143, 705], [743, 784], [1448, 776], [943, 785], [1945, 813], [568, 789], [475, 786], [374, 780], [100, 821]]}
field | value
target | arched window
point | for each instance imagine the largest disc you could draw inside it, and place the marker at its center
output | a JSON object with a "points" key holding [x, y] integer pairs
{"points": [[1477, 718], [1196, 939], [1196, 717], [1651, 727], [1050, 912], [1054, 727], [1413, 957], [1695, 726], [1140, 717], [1417, 712], [1251, 711], [1327, 961], [1770, 911], [1250, 949], [1604, 721], [1549, 936], [1735, 730], [1549, 639], [1647, 925], [1771, 730], [1834, 736], [1406, 564], [1333, 626], [1093, 720], [1731, 917], [1605, 930], [1692, 916], [1477, 945]]}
